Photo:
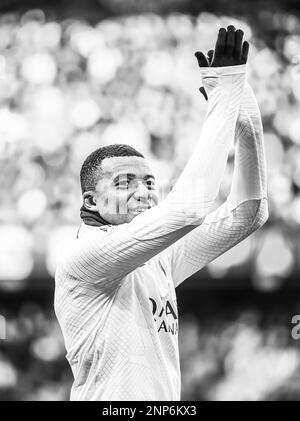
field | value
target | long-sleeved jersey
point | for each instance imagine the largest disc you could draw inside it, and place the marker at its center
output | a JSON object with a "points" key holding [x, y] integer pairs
{"points": [[115, 294]]}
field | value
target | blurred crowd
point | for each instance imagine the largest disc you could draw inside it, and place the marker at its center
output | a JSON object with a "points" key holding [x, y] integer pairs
{"points": [[32, 356], [223, 357], [239, 359], [68, 87]]}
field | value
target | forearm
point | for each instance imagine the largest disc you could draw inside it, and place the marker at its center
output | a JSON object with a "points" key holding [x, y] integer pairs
{"points": [[221, 230], [249, 180], [198, 185], [249, 176]]}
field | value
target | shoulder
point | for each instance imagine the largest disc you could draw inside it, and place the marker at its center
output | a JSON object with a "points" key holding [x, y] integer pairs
{"points": [[80, 246], [86, 231]]}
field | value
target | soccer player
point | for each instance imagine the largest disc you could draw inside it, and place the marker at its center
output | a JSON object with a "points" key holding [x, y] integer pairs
{"points": [[115, 288]]}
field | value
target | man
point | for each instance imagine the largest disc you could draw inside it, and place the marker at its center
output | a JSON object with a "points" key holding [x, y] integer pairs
{"points": [[115, 289]]}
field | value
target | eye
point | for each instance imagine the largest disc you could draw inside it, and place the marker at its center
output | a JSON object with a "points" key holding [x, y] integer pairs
{"points": [[151, 184], [122, 184]]}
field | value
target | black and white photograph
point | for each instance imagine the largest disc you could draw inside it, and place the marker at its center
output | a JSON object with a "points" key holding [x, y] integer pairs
{"points": [[150, 202]]}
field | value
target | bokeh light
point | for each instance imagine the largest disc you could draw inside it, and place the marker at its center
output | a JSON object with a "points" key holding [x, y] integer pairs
{"points": [[16, 259]]}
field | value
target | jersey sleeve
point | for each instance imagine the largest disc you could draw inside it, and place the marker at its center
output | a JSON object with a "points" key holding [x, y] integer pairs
{"points": [[106, 259], [246, 208]]}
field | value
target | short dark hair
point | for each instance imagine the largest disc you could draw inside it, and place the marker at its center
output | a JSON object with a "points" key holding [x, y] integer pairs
{"points": [[91, 167]]}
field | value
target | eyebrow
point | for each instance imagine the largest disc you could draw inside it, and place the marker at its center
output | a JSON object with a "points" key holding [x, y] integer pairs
{"points": [[132, 176]]}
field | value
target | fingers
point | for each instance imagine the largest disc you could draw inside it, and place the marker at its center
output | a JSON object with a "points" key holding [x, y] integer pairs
{"points": [[238, 43], [230, 40], [202, 60], [203, 92], [230, 50], [220, 44], [245, 50], [210, 55]]}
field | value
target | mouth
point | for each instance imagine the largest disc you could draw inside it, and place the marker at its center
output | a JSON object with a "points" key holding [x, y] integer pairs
{"points": [[141, 209]]}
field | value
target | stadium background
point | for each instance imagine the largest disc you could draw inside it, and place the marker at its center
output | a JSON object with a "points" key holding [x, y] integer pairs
{"points": [[77, 75]]}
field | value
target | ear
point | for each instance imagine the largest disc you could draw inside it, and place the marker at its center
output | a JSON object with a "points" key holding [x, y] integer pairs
{"points": [[89, 201]]}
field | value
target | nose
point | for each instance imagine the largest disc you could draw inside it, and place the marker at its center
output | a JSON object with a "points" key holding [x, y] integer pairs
{"points": [[141, 192]]}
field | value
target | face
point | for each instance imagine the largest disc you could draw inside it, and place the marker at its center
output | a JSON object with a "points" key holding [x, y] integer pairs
{"points": [[126, 188]]}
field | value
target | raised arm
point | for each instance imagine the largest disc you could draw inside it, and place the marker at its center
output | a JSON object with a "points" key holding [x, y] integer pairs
{"points": [[245, 209], [105, 259]]}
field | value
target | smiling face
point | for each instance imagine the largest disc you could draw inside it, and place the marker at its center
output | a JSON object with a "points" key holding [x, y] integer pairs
{"points": [[126, 187]]}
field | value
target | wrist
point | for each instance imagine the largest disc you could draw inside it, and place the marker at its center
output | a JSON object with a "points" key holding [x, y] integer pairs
{"points": [[220, 71], [222, 77]]}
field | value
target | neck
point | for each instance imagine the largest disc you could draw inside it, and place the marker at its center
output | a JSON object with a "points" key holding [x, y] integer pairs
{"points": [[92, 218]]}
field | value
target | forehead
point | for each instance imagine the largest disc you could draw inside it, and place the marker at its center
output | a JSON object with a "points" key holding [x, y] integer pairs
{"points": [[125, 164]]}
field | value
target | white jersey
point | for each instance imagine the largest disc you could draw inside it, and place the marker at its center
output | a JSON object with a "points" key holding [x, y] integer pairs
{"points": [[115, 289]]}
